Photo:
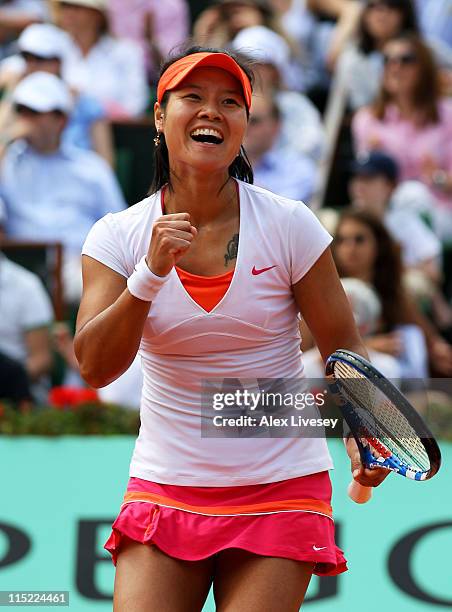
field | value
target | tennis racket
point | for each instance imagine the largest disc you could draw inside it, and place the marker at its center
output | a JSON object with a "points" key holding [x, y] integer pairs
{"points": [[388, 431]]}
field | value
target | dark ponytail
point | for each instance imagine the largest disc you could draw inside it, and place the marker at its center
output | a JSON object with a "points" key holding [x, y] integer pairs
{"points": [[241, 167], [161, 166]]}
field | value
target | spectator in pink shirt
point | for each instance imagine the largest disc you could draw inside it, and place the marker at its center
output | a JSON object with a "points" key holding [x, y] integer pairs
{"points": [[410, 121], [157, 26]]}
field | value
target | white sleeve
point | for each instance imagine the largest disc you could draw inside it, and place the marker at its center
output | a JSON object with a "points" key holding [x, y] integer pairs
{"points": [[308, 239], [104, 244]]}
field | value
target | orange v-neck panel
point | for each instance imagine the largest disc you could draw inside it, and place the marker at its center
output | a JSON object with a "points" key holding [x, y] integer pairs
{"points": [[206, 291]]}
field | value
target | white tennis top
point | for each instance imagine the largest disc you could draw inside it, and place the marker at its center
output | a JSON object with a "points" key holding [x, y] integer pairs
{"points": [[251, 333]]}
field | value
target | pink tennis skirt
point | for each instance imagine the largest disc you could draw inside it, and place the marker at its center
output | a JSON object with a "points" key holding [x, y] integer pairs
{"points": [[290, 519]]}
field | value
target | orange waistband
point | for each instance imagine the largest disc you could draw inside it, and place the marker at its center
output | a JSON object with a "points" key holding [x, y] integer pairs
{"points": [[290, 505]]}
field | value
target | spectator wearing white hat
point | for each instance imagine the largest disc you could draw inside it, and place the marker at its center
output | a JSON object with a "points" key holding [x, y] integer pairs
{"points": [[54, 192], [220, 23], [301, 123], [25, 316], [110, 69], [287, 172], [43, 47]]}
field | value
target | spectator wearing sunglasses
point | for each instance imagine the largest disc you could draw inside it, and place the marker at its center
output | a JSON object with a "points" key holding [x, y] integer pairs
{"points": [[412, 122], [364, 249], [54, 192], [360, 66], [43, 47]]}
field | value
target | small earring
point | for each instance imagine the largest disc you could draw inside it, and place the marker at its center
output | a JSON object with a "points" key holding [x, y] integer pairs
{"points": [[157, 140]]}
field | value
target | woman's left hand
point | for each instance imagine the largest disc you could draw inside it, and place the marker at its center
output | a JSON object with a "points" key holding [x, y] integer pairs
{"points": [[365, 476]]}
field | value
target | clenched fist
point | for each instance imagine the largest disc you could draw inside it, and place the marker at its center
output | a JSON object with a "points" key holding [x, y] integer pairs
{"points": [[172, 236]]}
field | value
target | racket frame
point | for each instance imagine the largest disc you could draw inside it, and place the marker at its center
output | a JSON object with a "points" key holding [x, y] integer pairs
{"points": [[391, 462]]}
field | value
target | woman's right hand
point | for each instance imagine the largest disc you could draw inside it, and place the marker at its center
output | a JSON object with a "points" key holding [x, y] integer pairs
{"points": [[171, 238]]}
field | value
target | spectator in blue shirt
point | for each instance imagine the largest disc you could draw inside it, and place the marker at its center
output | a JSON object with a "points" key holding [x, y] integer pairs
{"points": [[301, 123], [283, 170], [53, 192], [44, 47]]}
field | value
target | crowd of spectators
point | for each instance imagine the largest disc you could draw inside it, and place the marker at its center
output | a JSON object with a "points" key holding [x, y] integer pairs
{"points": [[363, 86]]}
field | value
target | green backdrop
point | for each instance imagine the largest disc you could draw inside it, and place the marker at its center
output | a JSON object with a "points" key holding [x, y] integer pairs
{"points": [[59, 496]]}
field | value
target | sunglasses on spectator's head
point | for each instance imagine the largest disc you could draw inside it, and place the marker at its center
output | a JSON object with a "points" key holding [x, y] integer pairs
{"points": [[356, 238], [404, 59]]}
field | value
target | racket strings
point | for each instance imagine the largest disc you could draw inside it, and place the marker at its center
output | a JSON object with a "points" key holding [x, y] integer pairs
{"points": [[380, 418], [411, 454]]}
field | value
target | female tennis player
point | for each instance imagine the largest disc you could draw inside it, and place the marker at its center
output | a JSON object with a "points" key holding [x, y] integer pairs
{"points": [[205, 278]]}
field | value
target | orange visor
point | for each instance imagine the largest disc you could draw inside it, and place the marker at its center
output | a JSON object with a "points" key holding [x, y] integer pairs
{"points": [[177, 72]]}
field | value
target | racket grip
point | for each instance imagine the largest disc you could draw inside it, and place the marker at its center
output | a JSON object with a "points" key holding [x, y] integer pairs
{"points": [[359, 493]]}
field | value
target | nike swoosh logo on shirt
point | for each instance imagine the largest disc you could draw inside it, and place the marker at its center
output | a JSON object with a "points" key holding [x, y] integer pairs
{"points": [[318, 547], [255, 272]]}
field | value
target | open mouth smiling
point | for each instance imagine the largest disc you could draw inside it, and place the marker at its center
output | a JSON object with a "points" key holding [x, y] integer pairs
{"points": [[207, 136]]}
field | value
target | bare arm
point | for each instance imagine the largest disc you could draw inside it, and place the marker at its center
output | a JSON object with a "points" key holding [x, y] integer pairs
{"points": [[347, 14], [326, 310], [307, 341], [109, 324], [39, 358], [110, 321]]}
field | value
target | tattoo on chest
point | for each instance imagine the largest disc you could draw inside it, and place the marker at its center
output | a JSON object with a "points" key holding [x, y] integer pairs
{"points": [[231, 249]]}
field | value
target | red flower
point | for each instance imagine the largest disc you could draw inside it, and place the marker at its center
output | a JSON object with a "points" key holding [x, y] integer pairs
{"points": [[61, 397]]}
